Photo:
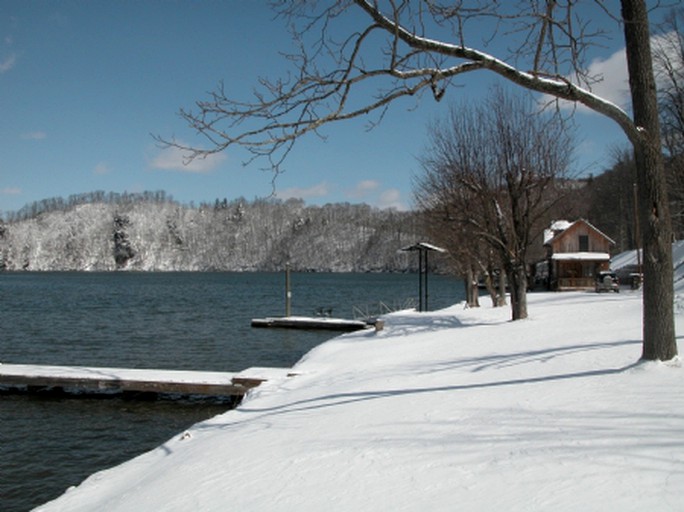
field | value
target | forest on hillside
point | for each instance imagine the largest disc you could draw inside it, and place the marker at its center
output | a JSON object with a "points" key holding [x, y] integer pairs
{"points": [[608, 200], [151, 232]]}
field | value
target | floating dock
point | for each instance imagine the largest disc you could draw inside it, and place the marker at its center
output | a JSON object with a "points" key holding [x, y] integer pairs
{"points": [[78, 380], [305, 322]]}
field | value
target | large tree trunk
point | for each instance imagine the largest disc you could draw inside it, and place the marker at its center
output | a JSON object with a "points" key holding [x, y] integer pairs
{"points": [[517, 281], [659, 342]]}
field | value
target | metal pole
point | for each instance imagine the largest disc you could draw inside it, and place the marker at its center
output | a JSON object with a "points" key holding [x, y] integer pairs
{"points": [[426, 282], [420, 280]]}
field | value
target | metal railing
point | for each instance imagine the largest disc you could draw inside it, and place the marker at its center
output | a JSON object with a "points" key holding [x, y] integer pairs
{"points": [[376, 309]]}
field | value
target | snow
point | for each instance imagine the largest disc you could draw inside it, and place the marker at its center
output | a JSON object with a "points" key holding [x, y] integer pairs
{"points": [[458, 409], [581, 256], [423, 246], [629, 259], [115, 375], [556, 227]]}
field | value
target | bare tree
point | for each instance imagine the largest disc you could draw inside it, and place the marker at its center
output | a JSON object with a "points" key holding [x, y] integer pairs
{"points": [[655, 222], [403, 48], [669, 60], [470, 257], [609, 201], [494, 167], [668, 55]]}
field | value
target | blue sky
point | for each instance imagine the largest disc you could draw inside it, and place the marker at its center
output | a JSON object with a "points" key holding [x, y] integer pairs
{"points": [[85, 84]]}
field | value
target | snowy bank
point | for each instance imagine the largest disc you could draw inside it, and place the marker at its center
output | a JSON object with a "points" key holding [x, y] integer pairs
{"points": [[629, 260], [459, 409]]}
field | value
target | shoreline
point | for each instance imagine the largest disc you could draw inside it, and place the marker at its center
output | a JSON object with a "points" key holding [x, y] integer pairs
{"points": [[434, 409]]}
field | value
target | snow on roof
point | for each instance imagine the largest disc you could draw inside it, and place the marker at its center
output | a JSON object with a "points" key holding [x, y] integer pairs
{"points": [[581, 256], [560, 226], [557, 226], [425, 246]]}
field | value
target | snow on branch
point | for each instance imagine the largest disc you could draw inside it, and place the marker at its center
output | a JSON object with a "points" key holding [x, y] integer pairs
{"points": [[371, 69]]}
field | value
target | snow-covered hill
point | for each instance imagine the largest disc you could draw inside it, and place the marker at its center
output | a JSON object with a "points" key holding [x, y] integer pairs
{"points": [[163, 235]]}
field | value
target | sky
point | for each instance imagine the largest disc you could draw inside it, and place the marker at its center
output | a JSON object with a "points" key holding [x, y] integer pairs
{"points": [[85, 87]]}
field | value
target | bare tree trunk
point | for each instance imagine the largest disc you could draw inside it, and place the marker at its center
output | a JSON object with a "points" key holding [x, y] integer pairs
{"points": [[502, 289], [517, 282], [472, 295], [496, 288], [491, 289], [658, 324]]}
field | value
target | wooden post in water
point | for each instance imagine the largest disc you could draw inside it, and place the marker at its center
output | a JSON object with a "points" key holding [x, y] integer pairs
{"points": [[288, 293]]}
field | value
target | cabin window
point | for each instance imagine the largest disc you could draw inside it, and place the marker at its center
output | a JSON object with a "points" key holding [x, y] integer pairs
{"points": [[584, 243]]}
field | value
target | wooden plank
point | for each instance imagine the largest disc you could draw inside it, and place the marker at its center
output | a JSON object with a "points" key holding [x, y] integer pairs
{"points": [[125, 380]]}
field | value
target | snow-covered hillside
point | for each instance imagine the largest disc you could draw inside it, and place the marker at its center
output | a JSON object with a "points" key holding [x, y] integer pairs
{"points": [[147, 235], [459, 409]]}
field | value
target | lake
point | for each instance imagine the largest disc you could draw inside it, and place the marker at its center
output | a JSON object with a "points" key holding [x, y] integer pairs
{"points": [[179, 320]]}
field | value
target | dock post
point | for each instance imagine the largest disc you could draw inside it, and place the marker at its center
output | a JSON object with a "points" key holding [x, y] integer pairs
{"points": [[288, 292]]}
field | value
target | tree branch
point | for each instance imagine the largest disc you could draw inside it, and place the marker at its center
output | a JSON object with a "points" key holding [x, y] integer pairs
{"points": [[407, 66]]}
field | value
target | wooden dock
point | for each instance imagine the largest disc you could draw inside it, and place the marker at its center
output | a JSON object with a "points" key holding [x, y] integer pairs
{"points": [[305, 322], [75, 380]]}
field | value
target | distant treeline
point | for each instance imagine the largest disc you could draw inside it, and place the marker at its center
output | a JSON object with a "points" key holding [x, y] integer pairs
{"points": [[59, 204], [101, 231]]}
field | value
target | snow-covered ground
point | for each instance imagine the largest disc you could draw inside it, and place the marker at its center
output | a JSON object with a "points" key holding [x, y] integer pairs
{"points": [[458, 409]]}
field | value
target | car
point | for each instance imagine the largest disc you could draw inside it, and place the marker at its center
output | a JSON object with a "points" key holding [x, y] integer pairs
{"points": [[607, 281]]}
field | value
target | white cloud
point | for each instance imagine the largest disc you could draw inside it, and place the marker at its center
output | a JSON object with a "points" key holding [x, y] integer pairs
{"points": [[8, 63], [391, 198], [175, 159], [612, 75], [319, 190], [363, 188], [101, 169], [37, 135], [10, 191], [612, 84]]}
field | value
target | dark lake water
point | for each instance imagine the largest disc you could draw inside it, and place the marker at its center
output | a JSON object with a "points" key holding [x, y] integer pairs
{"points": [[185, 321]]}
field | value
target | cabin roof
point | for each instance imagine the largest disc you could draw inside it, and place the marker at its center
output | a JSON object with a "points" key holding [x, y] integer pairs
{"points": [[566, 228]]}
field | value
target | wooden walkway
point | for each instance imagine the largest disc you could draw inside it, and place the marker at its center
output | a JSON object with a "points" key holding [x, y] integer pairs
{"points": [[76, 380]]}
